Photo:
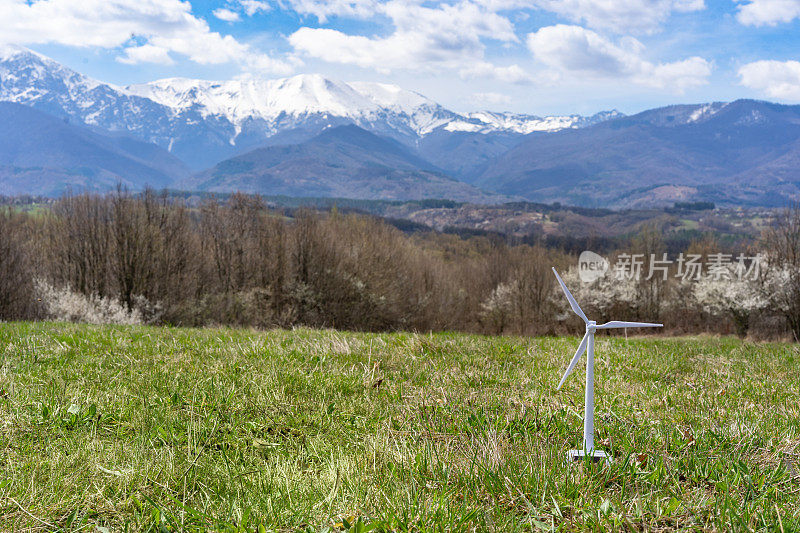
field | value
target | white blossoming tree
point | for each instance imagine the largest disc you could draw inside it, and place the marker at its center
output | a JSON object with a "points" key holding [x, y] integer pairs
{"points": [[731, 295], [66, 305], [498, 308]]}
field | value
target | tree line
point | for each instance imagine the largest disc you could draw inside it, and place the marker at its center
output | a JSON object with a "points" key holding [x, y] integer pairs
{"points": [[151, 258]]}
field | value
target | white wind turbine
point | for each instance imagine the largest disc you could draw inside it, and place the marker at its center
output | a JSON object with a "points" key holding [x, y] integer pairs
{"points": [[587, 344]]}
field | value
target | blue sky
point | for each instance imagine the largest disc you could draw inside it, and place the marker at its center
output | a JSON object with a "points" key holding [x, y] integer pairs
{"points": [[533, 56]]}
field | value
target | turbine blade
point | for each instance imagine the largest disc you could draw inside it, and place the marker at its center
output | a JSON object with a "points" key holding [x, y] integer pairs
{"points": [[619, 324], [572, 302], [578, 353]]}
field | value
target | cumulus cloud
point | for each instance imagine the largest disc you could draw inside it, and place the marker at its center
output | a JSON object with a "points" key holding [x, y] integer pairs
{"points": [[448, 36], [776, 79], [576, 51], [146, 53], [147, 30], [768, 12], [226, 14], [620, 16]]}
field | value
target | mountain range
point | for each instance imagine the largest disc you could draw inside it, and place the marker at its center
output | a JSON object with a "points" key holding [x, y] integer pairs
{"points": [[204, 122], [308, 135]]}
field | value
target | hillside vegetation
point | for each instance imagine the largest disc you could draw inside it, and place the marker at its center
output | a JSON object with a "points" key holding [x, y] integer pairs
{"points": [[163, 260], [159, 429]]}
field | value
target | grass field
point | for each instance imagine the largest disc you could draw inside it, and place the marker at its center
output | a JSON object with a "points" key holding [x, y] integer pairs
{"points": [[151, 429]]}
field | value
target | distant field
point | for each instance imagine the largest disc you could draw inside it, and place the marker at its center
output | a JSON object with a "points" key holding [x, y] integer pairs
{"points": [[158, 429]]}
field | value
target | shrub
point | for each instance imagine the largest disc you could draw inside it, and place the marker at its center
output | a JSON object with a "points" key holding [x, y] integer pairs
{"points": [[66, 305]]}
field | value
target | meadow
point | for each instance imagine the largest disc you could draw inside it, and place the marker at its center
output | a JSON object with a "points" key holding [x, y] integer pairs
{"points": [[134, 428]]}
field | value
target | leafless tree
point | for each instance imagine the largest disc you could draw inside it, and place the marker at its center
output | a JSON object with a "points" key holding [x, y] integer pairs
{"points": [[80, 243], [17, 293]]}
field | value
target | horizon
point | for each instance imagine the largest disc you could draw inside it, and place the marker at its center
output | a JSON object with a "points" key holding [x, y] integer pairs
{"points": [[539, 58]]}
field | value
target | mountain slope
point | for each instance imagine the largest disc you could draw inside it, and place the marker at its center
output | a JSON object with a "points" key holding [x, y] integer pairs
{"points": [[465, 155], [41, 154], [345, 161], [742, 152]]}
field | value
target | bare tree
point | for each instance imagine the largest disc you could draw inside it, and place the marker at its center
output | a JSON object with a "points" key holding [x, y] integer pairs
{"points": [[137, 226], [534, 284], [652, 284], [17, 293], [80, 242]]}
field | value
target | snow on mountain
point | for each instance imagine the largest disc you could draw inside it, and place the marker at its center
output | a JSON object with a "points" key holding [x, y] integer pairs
{"points": [[28, 78], [680, 114], [490, 121], [422, 114], [706, 111], [487, 121], [238, 100]]}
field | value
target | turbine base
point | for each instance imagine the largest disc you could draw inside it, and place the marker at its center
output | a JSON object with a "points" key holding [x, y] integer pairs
{"points": [[596, 455]]}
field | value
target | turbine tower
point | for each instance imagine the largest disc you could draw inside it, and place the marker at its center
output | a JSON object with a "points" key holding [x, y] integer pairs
{"points": [[587, 345]]}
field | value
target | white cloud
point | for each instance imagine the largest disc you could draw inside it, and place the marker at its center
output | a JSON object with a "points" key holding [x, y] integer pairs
{"points": [[146, 53], [768, 12], [167, 26], [776, 79], [251, 7], [510, 74], [226, 14], [492, 99], [677, 75], [620, 16], [323, 9], [448, 36], [578, 52], [338, 47]]}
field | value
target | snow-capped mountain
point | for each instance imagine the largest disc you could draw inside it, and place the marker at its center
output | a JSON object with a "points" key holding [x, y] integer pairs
{"points": [[292, 102], [203, 122]]}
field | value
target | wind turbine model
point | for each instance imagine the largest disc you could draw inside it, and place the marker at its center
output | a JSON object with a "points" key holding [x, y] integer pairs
{"points": [[587, 344]]}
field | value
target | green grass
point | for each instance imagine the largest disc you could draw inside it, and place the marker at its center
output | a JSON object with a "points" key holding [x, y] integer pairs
{"points": [[158, 429], [688, 224]]}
